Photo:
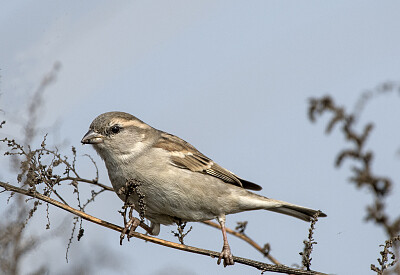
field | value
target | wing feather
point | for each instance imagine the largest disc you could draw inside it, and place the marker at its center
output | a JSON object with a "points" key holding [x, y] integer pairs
{"points": [[185, 156]]}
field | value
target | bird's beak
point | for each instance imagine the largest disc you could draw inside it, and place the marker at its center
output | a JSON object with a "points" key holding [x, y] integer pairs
{"points": [[92, 137]]}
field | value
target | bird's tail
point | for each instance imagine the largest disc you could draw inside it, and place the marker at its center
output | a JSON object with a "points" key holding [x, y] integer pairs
{"points": [[300, 212], [252, 201]]}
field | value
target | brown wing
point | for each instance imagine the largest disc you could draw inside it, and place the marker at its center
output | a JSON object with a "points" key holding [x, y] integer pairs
{"points": [[185, 156]]}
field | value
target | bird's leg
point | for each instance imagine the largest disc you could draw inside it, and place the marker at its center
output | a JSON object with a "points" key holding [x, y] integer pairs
{"points": [[226, 250], [131, 225]]}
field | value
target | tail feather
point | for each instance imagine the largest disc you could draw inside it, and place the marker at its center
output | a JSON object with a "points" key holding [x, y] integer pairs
{"points": [[252, 201], [296, 211]]}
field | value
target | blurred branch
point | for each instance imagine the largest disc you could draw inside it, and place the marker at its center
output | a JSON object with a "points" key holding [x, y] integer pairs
{"points": [[368, 95], [35, 169], [12, 242], [213, 254], [362, 173], [363, 176], [13, 246], [37, 102]]}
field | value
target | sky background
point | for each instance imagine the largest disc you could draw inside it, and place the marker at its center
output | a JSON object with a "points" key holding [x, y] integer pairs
{"points": [[233, 78]]}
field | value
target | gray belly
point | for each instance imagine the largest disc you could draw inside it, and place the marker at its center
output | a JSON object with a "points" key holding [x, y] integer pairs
{"points": [[179, 194]]}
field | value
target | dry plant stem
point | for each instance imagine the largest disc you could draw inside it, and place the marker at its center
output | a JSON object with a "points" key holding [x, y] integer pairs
{"points": [[181, 231], [388, 257], [213, 254], [246, 239], [308, 244]]}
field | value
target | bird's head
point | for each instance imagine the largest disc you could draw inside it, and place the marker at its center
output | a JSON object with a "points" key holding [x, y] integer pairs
{"points": [[117, 135]]}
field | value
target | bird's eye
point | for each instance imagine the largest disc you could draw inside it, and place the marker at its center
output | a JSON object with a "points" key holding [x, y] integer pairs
{"points": [[115, 129]]}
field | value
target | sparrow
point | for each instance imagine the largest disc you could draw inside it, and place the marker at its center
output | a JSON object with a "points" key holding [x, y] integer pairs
{"points": [[178, 182]]}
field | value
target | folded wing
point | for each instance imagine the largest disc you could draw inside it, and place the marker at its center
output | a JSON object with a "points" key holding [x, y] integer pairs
{"points": [[185, 156]]}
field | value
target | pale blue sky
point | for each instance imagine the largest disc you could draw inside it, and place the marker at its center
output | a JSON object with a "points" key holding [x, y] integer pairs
{"points": [[232, 78]]}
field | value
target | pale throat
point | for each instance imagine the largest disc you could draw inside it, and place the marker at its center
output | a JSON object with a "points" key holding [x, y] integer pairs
{"points": [[134, 150]]}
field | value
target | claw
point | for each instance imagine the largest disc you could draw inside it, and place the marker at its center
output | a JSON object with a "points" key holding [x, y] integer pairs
{"points": [[130, 226], [226, 255]]}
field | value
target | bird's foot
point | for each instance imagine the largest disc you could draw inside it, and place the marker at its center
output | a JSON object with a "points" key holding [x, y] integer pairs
{"points": [[130, 226], [226, 255]]}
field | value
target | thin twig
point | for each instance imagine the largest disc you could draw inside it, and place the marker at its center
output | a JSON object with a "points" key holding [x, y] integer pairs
{"points": [[309, 243], [94, 182]]}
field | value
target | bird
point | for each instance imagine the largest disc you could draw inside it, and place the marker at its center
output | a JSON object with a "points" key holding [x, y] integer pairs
{"points": [[178, 183]]}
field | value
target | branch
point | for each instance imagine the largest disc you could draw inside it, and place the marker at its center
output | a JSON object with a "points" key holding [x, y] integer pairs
{"points": [[213, 254]]}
